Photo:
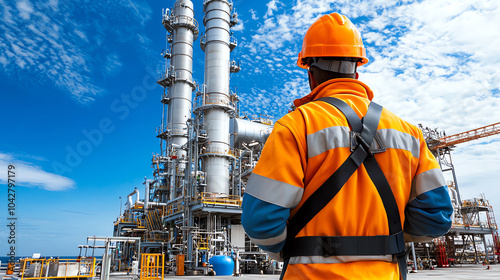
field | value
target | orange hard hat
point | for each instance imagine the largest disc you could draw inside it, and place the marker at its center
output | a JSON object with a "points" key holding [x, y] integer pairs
{"points": [[332, 35]]}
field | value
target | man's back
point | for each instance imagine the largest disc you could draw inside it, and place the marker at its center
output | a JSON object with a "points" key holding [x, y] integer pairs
{"points": [[343, 230], [309, 144]]}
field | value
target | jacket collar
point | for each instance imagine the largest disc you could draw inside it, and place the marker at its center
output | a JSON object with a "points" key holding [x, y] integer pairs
{"points": [[336, 86]]}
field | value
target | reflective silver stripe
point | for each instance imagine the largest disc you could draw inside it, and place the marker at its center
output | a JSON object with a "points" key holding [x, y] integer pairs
{"points": [[270, 241], [339, 137], [338, 259], [273, 191], [427, 181], [327, 139], [395, 139]]}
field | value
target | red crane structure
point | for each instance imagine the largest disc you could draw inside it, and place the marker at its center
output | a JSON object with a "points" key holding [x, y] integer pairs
{"points": [[462, 137]]}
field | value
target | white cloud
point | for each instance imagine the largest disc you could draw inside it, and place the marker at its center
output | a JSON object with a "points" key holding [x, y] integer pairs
{"points": [[53, 44], [429, 60], [434, 62], [30, 175], [440, 61], [239, 27], [271, 7], [25, 9], [254, 14], [113, 64]]}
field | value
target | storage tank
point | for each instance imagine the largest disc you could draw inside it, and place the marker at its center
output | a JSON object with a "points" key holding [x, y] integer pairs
{"points": [[222, 265]]}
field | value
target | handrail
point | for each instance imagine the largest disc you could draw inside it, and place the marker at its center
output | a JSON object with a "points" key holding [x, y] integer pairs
{"points": [[86, 268]]}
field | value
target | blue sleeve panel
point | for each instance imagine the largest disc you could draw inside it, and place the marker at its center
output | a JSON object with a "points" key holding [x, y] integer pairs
{"points": [[429, 214], [263, 220], [273, 248]]}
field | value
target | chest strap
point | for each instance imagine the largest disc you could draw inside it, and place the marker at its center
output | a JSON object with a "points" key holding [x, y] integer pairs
{"points": [[363, 132]]}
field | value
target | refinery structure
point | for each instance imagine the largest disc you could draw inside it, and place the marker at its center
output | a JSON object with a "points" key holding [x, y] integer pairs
{"points": [[190, 209], [192, 206], [186, 217]]}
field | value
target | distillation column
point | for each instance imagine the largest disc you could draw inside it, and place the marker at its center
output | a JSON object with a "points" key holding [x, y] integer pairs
{"points": [[182, 26], [217, 45]]}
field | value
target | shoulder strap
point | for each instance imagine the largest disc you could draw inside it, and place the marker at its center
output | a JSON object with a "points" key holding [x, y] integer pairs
{"points": [[326, 192]]}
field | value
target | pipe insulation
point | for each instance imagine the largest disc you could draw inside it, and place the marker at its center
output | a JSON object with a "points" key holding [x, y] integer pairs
{"points": [[217, 67], [184, 32]]}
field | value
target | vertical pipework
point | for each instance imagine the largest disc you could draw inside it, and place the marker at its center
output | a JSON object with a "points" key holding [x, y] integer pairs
{"points": [[217, 46], [182, 26]]}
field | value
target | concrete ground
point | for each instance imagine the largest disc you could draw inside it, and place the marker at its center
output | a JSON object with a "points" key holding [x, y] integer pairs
{"points": [[464, 272]]}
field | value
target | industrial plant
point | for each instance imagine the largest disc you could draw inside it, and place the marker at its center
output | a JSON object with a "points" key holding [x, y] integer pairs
{"points": [[186, 217], [191, 207]]}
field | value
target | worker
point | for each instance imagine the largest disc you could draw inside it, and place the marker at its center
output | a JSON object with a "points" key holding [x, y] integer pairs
{"points": [[342, 182]]}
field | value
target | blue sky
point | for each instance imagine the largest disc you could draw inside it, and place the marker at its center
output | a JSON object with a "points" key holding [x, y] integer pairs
{"points": [[80, 105]]}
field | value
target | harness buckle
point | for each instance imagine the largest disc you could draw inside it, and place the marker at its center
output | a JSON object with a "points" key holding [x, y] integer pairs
{"points": [[357, 140], [328, 247]]}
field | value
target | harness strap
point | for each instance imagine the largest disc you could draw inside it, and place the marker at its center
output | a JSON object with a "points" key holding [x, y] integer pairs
{"points": [[362, 135], [327, 246], [318, 200]]}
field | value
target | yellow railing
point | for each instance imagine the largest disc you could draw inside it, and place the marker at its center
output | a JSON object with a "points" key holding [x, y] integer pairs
{"points": [[57, 268], [152, 266], [474, 202], [174, 208], [136, 221], [219, 199], [137, 205], [202, 243]]}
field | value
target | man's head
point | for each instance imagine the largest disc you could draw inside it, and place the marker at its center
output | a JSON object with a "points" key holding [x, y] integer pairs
{"points": [[332, 48]]}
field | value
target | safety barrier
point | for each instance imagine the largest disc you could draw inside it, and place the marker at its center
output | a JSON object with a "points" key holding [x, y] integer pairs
{"points": [[264, 119], [475, 203], [219, 199], [57, 268], [202, 243], [152, 266], [174, 208], [138, 222]]}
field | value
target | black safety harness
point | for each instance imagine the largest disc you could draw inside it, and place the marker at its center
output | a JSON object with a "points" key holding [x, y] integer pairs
{"points": [[363, 133]]}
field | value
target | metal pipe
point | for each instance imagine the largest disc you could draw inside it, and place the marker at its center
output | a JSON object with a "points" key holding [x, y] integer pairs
{"points": [[415, 268], [129, 197], [182, 26], [485, 250], [154, 203], [146, 195], [248, 132], [216, 45]]}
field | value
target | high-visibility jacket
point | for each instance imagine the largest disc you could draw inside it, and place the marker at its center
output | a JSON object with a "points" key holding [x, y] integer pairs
{"points": [[305, 148]]}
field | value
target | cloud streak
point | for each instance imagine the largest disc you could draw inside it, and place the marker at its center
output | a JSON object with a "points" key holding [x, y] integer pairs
{"points": [[46, 42], [30, 175]]}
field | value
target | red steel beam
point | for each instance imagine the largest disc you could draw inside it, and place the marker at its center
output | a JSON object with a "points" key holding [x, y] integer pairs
{"points": [[467, 136]]}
